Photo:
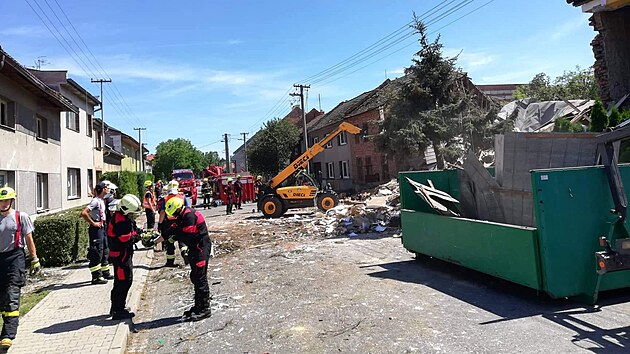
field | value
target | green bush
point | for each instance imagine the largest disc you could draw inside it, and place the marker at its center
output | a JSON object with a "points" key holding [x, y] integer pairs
{"points": [[61, 238], [599, 118]]}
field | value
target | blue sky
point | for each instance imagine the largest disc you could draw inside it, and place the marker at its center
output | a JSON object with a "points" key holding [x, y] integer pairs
{"points": [[197, 69]]}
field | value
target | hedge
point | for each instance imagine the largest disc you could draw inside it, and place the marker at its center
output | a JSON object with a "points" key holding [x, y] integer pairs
{"points": [[61, 238], [128, 182]]}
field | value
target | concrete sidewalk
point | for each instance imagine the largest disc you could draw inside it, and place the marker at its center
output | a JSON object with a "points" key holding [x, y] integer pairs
{"points": [[73, 318]]}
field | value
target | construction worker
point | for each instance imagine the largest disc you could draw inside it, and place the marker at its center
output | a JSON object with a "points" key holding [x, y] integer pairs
{"points": [[164, 225], [189, 228], [16, 232], [98, 251], [238, 192], [149, 204], [229, 192], [123, 233], [206, 190]]}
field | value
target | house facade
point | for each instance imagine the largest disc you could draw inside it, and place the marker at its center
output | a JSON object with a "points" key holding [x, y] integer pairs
{"points": [[77, 134], [31, 130]]}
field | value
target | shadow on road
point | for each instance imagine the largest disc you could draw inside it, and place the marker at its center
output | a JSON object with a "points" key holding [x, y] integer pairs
{"points": [[66, 286], [511, 301], [159, 323]]}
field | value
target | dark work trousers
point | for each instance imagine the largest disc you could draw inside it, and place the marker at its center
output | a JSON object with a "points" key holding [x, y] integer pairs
{"points": [[206, 199], [98, 252], [150, 218], [12, 278], [123, 277], [238, 196], [229, 205], [169, 246], [199, 256]]}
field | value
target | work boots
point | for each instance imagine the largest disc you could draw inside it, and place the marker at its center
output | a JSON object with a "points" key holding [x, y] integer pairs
{"points": [[121, 314], [99, 280], [107, 275], [199, 311]]}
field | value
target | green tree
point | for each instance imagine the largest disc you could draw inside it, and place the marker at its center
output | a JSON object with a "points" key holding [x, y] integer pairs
{"points": [[599, 118], [615, 118], [430, 107], [212, 158], [571, 85], [564, 125], [174, 154], [271, 149]]}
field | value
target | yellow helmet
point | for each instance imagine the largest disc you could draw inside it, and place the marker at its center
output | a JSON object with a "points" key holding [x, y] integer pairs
{"points": [[148, 183], [259, 178], [229, 179], [238, 176], [205, 180], [7, 193], [172, 206]]}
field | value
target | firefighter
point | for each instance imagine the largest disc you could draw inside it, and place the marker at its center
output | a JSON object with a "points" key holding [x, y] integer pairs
{"points": [[206, 190], [149, 204], [238, 192], [190, 229], [164, 226], [98, 251], [229, 192], [257, 184], [16, 232], [123, 233]]}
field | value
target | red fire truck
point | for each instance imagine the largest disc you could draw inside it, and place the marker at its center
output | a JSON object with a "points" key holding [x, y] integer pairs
{"points": [[187, 184]]}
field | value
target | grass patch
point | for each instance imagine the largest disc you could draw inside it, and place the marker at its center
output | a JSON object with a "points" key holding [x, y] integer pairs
{"points": [[28, 301]]}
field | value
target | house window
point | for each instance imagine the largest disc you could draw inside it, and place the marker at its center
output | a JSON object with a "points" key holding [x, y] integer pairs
{"points": [[42, 128], [359, 168], [88, 125], [98, 142], [42, 191], [315, 141], [329, 143], [4, 178], [364, 131], [7, 113], [330, 170], [90, 180], [72, 121], [343, 169], [74, 183], [342, 139], [368, 165]]}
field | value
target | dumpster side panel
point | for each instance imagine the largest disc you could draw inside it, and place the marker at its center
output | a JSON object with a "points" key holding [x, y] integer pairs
{"points": [[447, 181], [572, 207], [505, 251]]}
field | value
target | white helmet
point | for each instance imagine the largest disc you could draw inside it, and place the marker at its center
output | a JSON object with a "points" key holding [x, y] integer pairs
{"points": [[129, 204], [172, 184], [173, 191], [113, 205]]}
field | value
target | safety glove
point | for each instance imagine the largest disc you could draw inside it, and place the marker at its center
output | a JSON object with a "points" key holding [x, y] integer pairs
{"points": [[35, 266]]}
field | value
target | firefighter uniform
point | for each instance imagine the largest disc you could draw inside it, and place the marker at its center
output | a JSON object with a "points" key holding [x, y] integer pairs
{"points": [[189, 228], [14, 227], [166, 232], [238, 192], [122, 234], [229, 192], [149, 205]]}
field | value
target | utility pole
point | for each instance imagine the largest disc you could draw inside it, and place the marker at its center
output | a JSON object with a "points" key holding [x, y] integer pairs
{"points": [[101, 81], [245, 149], [227, 152], [301, 94], [140, 144]]}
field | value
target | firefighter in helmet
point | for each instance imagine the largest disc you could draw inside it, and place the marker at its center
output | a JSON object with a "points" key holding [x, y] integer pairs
{"points": [[238, 192], [189, 227], [165, 225], [122, 234], [16, 232], [229, 192], [149, 204]]}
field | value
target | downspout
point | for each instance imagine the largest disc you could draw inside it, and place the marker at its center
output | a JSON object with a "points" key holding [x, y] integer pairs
{"points": [[2, 62]]}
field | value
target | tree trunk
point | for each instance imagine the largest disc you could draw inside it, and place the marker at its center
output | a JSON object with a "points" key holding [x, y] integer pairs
{"points": [[438, 156]]}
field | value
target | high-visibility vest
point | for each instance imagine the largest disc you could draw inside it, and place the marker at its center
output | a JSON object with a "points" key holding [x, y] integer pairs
{"points": [[149, 203]]}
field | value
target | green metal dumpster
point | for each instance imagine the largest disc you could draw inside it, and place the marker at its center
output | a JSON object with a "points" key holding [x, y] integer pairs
{"points": [[572, 210]]}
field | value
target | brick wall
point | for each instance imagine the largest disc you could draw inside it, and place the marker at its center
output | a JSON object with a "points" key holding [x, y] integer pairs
{"points": [[369, 166]]}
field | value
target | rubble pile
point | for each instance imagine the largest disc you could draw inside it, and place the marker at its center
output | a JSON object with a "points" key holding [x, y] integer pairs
{"points": [[357, 219]]}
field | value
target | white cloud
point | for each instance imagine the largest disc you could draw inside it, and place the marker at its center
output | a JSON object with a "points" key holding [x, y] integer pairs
{"points": [[470, 60], [568, 28], [24, 31], [399, 71], [234, 41]]}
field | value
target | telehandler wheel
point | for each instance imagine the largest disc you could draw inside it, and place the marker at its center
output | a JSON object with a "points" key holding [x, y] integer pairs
{"points": [[327, 201], [271, 207]]}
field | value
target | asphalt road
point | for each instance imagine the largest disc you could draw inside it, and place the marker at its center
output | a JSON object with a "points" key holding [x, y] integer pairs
{"points": [[287, 292]]}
